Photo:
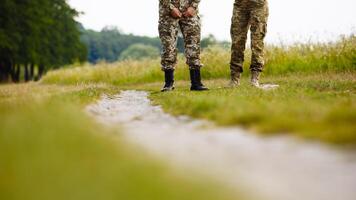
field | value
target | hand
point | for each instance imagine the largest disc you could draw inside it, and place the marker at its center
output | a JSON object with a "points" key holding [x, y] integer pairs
{"points": [[191, 12], [176, 13]]}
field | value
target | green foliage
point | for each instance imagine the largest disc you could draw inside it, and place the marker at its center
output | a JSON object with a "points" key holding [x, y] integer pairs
{"points": [[139, 52], [50, 149], [38, 32], [208, 41], [110, 43]]}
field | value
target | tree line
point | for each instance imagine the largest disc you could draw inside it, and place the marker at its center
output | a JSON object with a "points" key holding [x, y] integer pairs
{"points": [[35, 36], [110, 44]]}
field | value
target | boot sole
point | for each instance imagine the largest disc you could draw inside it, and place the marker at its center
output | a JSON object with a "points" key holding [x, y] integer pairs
{"points": [[168, 90], [199, 90]]}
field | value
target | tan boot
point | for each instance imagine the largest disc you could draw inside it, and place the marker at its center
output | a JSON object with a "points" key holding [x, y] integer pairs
{"points": [[255, 77], [235, 80]]}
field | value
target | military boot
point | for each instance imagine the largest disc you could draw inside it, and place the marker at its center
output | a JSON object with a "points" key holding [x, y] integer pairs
{"points": [[235, 80], [195, 78], [169, 80], [255, 77]]}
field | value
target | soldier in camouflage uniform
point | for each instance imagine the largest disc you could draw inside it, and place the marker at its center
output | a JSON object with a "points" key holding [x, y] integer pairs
{"points": [[248, 15], [183, 14]]}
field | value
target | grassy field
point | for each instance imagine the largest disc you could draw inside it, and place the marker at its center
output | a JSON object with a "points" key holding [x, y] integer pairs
{"points": [[50, 149], [318, 107], [316, 99], [339, 57]]}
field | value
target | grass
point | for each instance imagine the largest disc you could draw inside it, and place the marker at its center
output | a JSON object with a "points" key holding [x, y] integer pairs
{"points": [[50, 149], [316, 99], [317, 107], [338, 57]]}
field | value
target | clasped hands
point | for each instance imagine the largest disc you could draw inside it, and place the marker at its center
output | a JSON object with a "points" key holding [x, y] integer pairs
{"points": [[190, 12]]}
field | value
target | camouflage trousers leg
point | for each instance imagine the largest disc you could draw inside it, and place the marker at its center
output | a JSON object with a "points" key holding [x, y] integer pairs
{"points": [[248, 15], [238, 31], [191, 30], [258, 21], [168, 32]]}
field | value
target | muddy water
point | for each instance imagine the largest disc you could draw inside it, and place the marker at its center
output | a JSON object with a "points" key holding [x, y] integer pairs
{"points": [[272, 169]]}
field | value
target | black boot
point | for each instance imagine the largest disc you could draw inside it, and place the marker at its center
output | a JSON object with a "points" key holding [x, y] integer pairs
{"points": [[195, 78], [169, 80]]}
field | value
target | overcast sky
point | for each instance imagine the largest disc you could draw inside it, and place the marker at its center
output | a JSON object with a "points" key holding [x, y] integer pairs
{"points": [[290, 20]]}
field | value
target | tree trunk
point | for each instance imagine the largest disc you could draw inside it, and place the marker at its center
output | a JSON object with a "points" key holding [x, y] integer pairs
{"points": [[5, 69], [40, 72], [32, 71], [2, 72], [27, 73], [12, 73], [16, 73]]}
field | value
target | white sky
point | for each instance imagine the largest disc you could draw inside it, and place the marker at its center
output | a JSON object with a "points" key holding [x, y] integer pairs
{"points": [[290, 20]]}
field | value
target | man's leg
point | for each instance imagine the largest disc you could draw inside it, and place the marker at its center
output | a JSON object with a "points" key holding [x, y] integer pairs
{"points": [[259, 17], [191, 30], [168, 31], [239, 29]]}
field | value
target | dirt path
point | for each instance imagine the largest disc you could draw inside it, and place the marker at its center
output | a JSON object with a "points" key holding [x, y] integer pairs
{"points": [[274, 169]]}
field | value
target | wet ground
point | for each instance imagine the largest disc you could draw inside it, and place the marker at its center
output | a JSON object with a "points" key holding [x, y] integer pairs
{"points": [[276, 168]]}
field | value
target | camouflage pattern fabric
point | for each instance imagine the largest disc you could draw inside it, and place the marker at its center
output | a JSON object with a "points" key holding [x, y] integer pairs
{"points": [[248, 15], [169, 29]]}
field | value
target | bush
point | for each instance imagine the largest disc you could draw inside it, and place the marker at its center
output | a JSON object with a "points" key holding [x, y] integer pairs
{"points": [[139, 52]]}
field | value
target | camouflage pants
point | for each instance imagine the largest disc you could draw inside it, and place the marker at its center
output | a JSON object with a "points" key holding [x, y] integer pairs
{"points": [[248, 15], [168, 33]]}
